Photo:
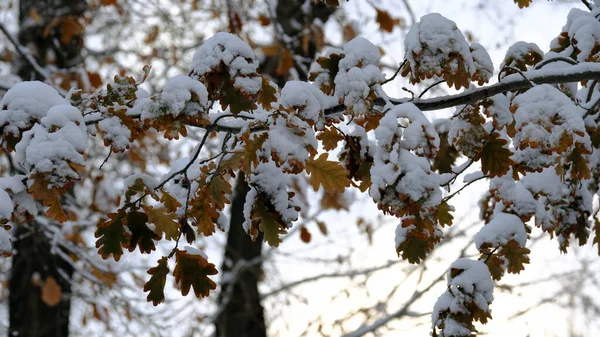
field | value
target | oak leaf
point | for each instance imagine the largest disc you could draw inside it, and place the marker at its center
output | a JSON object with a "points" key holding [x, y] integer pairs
{"points": [[330, 137], [192, 271], [495, 157], [328, 174], [267, 94], [164, 221], [112, 236], [51, 292], [515, 255], [386, 21], [156, 284], [141, 236]]}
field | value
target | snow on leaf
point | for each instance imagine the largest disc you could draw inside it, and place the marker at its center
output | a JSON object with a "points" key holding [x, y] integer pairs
{"points": [[436, 47], [192, 271], [268, 223], [328, 174], [156, 285]]}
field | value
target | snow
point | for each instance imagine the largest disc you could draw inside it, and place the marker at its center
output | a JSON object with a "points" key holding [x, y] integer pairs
{"points": [[401, 233], [6, 207], [234, 54], [269, 180], [306, 98], [583, 31], [194, 251], [5, 244], [290, 141], [433, 44], [393, 158], [50, 147], [148, 181], [471, 285], [117, 134], [545, 119], [358, 73], [519, 52], [26, 103], [502, 228]]}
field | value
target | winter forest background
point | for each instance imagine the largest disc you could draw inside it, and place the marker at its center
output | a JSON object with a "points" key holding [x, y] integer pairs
{"points": [[299, 168]]}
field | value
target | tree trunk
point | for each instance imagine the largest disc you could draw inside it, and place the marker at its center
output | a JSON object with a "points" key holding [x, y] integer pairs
{"points": [[242, 314], [57, 40]]}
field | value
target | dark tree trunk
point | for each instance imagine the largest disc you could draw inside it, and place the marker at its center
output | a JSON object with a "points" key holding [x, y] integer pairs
{"points": [[242, 314], [43, 31]]}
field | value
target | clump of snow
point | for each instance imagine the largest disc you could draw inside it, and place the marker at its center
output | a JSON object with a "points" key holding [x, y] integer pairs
{"points": [[233, 53], [547, 122], [497, 107], [195, 251], [436, 47], [180, 95], [358, 74], [306, 98], [396, 170], [269, 180], [23, 105], [503, 228], [580, 36], [520, 54], [291, 141], [470, 288], [52, 146], [115, 133]]}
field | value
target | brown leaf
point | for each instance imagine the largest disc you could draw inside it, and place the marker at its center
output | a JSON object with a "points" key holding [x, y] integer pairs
{"points": [[305, 235], [328, 174], [386, 21], [51, 292]]}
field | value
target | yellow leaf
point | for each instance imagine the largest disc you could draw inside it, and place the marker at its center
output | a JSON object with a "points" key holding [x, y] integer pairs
{"points": [[330, 138], [164, 221], [328, 174], [51, 292]]}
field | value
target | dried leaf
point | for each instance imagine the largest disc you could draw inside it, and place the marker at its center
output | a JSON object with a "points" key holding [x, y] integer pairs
{"points": [[328, 174], [192, 271], [156, 284], [51, 292]]}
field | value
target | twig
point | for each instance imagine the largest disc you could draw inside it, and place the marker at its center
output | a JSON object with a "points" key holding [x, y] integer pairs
{"points": [[587, 4], [395, 73], [430, 87]]}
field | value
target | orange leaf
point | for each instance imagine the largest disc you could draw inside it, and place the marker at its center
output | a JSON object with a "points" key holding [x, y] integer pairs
{"points": [[51, 292]]}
